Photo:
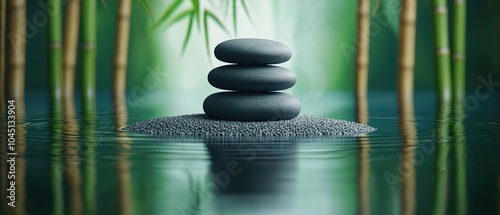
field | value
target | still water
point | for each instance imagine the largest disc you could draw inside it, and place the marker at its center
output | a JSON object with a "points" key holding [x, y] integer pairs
{"points": [[423, 159]]}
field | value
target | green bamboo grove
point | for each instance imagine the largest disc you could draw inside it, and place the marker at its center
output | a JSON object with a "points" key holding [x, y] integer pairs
{"points": [[450, 54]]}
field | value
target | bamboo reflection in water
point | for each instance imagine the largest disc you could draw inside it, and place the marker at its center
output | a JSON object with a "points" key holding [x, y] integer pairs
{"points": [[409, 136], [123, 164], [72, 162], [459, 143], [3, 154], [56, 162], [89, 168], [20, 159], [20, 171], [3, 145], [442, 148], [364, 159]]}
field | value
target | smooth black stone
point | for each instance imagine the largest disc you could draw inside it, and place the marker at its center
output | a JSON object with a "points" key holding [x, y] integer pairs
{"points": [[251, 106], [252, 51], [252, 78]]}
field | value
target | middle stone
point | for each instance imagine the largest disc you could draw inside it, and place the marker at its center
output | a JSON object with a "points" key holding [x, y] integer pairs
{"points": [[252, 78]]}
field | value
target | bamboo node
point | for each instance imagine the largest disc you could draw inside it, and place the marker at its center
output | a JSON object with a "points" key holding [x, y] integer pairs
{"points": [[88, 46], [15, 5], [441, 9], [458, 56], [123, 16], [443, 51], [55, 45]]}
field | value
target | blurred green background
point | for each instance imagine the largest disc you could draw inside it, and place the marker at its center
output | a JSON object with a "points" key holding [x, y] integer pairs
{"points": [[321, 34]]}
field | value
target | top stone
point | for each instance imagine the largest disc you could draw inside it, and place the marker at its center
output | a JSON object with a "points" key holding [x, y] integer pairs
{"points": [[252, 51]]}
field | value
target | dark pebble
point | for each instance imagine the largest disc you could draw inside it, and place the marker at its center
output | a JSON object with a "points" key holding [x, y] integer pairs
{"points": [[252, 78], [251, 106], [252, 51]]}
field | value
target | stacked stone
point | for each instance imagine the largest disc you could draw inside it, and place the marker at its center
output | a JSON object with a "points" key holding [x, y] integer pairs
{"points": [[251, 82]]}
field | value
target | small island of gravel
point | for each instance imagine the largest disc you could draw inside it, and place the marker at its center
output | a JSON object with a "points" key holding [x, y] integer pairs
{"points": [[200, 125]]}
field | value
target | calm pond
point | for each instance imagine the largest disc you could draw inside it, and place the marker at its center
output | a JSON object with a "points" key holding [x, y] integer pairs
{"points": [[426, 161]]}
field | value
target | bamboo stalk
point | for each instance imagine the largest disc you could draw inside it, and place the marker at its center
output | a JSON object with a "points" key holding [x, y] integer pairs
{"points": [[408, 19], [89, 28], [460, 149], [363, 48], [70, 48], [55, 53], [459, 31], [3, 57], [443, 67], [121, 48], [17, 53]]}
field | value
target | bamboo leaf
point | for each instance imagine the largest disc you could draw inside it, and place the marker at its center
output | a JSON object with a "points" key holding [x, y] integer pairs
{"points": [[181, 16], [226, 7], [170, 10], [148, 9], [211, 15], [188, 34], [196, 5], [207, 39], [247, 11], [103, 2], [235, 20]]}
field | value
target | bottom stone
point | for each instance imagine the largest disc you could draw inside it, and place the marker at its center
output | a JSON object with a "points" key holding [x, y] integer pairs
{"points": [[251, 106]]}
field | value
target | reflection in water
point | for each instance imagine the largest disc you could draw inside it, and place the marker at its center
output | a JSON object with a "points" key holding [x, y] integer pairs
{"points": [[123, 163], [409, 136], [20, 171], [72, 161], [89, 160], [250, 175], [442, 142], [364, 159], [56, 162], [459, 142], [3, 152]]}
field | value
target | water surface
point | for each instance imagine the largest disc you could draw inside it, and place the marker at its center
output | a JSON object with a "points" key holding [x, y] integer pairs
{"points": [[421, 160]]}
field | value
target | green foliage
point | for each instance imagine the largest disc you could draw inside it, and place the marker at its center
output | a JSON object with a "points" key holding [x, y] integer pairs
{"points": [[148, 9], [198, 15]]}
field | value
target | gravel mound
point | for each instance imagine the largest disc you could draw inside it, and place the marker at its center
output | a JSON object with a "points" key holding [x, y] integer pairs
{"points": [[202, 125]]}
